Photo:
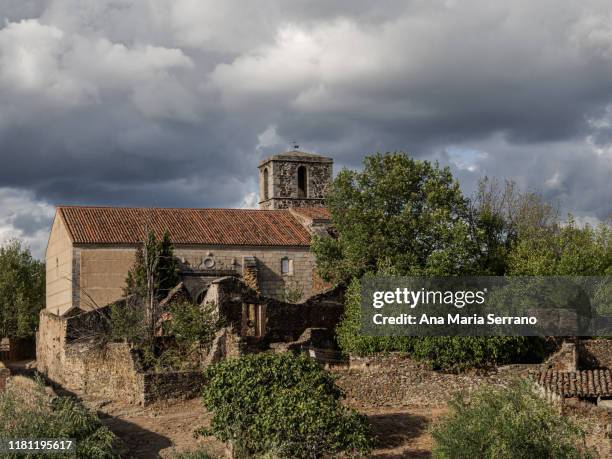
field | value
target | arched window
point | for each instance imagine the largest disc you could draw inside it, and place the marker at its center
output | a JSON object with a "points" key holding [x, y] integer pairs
{"points": [[265, 184], [302, 182]]}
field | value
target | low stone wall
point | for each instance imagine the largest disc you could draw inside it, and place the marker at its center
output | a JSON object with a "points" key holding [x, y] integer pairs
{"points": [[171, 385], [113, 372]]}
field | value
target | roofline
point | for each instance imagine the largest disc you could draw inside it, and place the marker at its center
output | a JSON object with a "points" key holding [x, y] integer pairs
{"points": [[240, 209], [295, 159], [81, 245], [58, 213]]}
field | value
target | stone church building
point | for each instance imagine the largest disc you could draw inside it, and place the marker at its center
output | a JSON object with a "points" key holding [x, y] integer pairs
{"points": [[91, 249]]}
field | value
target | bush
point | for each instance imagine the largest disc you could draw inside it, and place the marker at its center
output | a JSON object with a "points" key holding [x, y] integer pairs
{"points": [[193, 324], [282, 405], [26, 411], [440, 352], [508, 423]]}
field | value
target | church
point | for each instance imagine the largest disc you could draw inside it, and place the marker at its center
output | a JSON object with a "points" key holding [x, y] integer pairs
{"points": [[91, 249]]}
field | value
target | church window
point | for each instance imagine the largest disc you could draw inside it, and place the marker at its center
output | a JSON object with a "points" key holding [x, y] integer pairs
{"points": [[286, 266], [302, 182], [265, 184]]}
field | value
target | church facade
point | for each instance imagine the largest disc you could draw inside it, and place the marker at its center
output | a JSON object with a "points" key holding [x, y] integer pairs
{"points": [[91, 249]]}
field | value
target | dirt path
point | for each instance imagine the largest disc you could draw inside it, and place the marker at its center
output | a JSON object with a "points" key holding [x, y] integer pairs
{"points": [[161, 430]]}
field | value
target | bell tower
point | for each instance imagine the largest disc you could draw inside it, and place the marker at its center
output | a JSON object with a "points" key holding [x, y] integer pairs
{"points": [[294, 179]]}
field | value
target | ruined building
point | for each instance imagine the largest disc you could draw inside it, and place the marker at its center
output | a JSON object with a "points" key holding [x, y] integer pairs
{"points": [[255, 265]]}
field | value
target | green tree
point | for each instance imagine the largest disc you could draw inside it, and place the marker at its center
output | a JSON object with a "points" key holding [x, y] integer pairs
{"points": [[165, 271], [564, 250], [439, 352], [282, 405], [500, 216], [397, 212], [507, 423], [22, 291]]}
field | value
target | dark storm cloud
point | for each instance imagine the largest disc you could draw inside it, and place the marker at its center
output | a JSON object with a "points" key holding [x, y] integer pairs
{"points": [[133, 102]]}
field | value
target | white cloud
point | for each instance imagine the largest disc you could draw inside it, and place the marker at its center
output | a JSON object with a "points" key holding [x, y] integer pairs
{"points": [[249, 201], [66, 69], [24, 217]]}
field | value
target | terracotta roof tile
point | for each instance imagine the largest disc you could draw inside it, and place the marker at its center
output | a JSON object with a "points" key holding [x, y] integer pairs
{"points": [[122, 225], [585, 383], [315, 213]]}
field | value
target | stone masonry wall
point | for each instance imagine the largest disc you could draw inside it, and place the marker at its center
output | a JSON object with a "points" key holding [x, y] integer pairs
{"points": [[102, 270], [113, 372], [283, 182]]}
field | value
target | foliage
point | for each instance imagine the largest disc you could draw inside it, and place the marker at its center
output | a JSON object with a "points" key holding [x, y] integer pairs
{"points": [[193, 324], [281, 404], [127, 320], [566, 250], [399, 212], [28, 412], [507, 423], [22, 291], [166, 274], [440, 352], [500, 216]]}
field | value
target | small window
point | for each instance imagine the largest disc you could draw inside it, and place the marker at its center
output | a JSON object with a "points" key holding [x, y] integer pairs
{"points": [[286, 266], [302, 182], [265, 184]]}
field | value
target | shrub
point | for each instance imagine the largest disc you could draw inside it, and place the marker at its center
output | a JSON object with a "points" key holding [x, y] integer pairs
{"points": [[507, 423], [193, 324], [26, 411], [440, 352], [282, 405]]}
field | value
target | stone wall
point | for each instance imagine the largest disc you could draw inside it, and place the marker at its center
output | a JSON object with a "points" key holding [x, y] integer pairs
{"points": [[171, 385], [283, 181], [113, 372], [101, 271], [288, 321]]}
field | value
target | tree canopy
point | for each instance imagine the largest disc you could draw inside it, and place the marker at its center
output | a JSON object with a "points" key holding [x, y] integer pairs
{"points": [[22, 291], [406, 215], [166, 272]]}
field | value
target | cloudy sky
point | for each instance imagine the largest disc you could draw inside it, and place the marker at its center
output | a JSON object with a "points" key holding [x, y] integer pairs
{"points": [[173, 103]]}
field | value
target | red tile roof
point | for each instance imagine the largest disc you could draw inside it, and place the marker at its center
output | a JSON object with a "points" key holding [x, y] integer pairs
{"points": [[585, 383], [122, 225], [315, 213]]}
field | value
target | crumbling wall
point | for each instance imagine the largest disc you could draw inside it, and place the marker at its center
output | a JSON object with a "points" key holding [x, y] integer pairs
{"points": [[113, 372], [284, 321]]}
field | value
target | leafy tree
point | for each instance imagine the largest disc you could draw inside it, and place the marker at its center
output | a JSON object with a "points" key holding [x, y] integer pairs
{"points": [[398, 212], [565, 250], [501, 216], [165, 270], [440, 352], [507, 423], [168, 270], [193, 324], [22, 291], [282, 405]]}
